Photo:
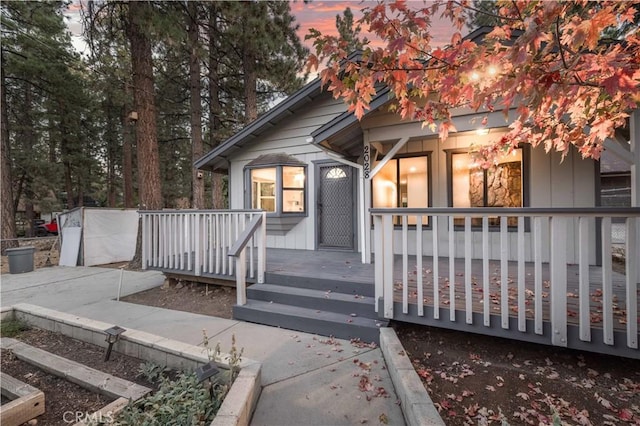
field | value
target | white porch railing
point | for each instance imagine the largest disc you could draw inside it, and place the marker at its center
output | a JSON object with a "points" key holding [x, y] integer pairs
{"points": [[530, 239], [200, 242]]}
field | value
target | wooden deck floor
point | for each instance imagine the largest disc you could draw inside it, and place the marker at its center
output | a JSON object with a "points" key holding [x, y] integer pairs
{"points": [[347, 266]]}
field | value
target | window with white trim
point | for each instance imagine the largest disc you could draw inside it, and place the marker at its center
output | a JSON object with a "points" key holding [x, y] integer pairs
{"points": [[278, 189]]}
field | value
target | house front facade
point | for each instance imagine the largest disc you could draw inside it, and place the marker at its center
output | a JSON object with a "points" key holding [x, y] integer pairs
{"points": [[317, 171], [522, 249]]}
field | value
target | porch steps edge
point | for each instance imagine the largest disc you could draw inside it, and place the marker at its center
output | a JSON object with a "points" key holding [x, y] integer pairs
{"points": [[338, 285], [342, 326], [342, 303]]}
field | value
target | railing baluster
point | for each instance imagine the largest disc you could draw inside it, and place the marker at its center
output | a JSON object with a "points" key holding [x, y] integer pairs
{"points": [[154, 242], [504, 272], [420, 292], [251, 248], [537, 274], [583, 279], [631, 252], [378, 264], [223, 242], [172, 241], [211, 235], [558, 281], [607, 287], [435, 269], [143, 223], [162, 240], [468, 295], [405, 265], [176, 241], [522, 310], [486, 301], [262, 248], [198, 244], [230, 241], [388, 259], [188, 229], [452, 271], [217, 243]]}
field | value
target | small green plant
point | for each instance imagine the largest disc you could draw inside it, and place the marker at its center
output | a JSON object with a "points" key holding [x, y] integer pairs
{"points": [[12, 328], [152, 372], [184, 401], [179, 402]]}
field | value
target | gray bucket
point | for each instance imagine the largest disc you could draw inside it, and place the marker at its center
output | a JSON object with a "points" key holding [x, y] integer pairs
{"points": [[20, 259]]}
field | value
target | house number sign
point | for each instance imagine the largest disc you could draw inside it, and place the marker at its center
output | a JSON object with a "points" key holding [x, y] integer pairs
{"points": [[366, 161]]}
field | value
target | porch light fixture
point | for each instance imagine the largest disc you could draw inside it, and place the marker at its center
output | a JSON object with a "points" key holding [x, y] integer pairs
{"points": [[113, 335], [482, 132]]}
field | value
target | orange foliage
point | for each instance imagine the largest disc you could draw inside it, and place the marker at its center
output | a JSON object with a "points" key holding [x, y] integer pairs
{"points": [[548, 67]]}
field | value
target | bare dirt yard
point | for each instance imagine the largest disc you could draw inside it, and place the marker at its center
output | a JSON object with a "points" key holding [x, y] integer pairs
{"points": [[476, 379]]}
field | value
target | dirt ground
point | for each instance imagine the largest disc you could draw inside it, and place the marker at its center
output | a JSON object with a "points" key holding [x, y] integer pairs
{"points": [[476, 379], [63, 398]]}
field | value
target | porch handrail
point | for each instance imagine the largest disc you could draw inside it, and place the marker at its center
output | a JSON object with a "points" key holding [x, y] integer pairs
{"points": [[558, 236], [197, 242], [238, 251], [511, 211]]}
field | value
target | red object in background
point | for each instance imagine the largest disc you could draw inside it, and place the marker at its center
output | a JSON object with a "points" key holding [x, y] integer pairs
{"points": [[45, 229]]}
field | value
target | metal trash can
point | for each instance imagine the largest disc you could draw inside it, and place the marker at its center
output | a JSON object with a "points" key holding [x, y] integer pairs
{"points": [[20, 259]]}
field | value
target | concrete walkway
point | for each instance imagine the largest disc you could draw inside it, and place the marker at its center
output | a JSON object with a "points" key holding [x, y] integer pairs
{"points": [[306, 379]]}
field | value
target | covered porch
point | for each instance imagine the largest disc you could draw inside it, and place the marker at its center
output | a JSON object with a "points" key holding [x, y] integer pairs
{"points": [[562, 286]]}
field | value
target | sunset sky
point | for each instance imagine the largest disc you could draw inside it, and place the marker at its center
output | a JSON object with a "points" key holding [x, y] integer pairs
{"points": [[320, 15]]}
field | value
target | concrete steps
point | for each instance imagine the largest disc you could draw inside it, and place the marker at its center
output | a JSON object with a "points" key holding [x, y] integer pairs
{"points": [[330, 308]]}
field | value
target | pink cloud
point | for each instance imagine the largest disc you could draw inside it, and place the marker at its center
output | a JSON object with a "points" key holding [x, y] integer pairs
{"points": [[321, 15]]}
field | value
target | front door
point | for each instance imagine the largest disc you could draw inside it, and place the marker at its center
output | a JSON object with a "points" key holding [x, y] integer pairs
{"points": [[336, 206]]}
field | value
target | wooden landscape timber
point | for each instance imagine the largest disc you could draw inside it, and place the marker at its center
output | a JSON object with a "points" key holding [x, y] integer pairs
{"points": [[27, 402]]}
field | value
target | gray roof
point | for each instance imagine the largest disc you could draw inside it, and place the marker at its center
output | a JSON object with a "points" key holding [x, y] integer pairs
{"points": [[217, 159]]}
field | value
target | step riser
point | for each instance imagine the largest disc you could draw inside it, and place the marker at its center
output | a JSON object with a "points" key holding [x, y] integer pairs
{"points": [[346, 287], [322, 304], [307, 325]]}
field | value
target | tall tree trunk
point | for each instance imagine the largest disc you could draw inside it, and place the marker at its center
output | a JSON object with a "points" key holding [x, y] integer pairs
{"points": [[6, 185], [111, 153], [249, 67], [27, 137], [215, 107], [65, 151], [195, 87], [127, 158], [149, 184], [250, 79]]}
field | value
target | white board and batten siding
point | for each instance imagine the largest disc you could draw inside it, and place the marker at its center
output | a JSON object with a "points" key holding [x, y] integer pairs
{"points": [[290, 137]]}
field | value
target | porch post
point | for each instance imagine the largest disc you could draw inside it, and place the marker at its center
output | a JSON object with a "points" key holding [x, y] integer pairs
{"points": [[634, 121], [635, 154], [366, 202]]}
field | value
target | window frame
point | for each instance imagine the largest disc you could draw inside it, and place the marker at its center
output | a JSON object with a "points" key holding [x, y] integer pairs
{"points": [[526, 184], [279, 189], [428, 154]]}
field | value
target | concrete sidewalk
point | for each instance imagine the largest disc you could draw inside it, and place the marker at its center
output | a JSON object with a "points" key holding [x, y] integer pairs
{"points": [[307, 380]]}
